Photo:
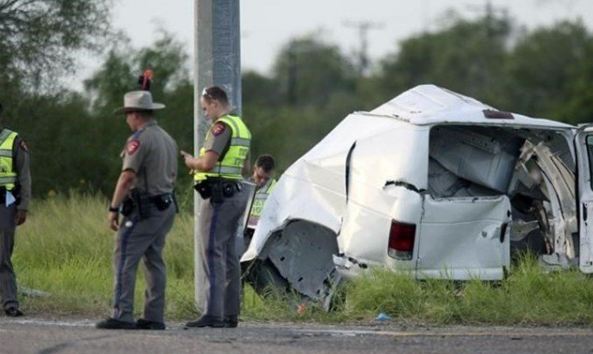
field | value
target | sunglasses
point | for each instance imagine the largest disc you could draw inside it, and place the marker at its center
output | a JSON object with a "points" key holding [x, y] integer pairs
{"points": [[206, 94]]}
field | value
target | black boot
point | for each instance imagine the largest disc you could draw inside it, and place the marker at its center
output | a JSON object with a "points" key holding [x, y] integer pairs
{"points": [[231, 321], [144, 324], [206, 321], [112, 323], [13, 312]]}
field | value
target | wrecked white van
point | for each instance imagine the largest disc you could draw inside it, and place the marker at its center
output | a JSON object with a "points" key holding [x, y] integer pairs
{"points": [[432, 183]]}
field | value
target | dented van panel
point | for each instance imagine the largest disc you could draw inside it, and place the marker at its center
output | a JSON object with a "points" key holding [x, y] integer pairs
{"points": [[464, 238], [433, 184], [302, 254]]}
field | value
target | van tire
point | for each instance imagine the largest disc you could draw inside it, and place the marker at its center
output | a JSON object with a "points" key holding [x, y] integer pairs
{"points": [[264, 278]]}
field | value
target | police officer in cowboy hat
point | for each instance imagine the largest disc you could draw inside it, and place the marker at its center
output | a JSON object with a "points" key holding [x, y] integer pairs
{"points": [[144, 196], [218, 178], [15, 194]]}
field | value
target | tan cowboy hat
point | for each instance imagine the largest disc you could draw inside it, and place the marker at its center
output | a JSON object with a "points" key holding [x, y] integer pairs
{"points": [[139, 101]]}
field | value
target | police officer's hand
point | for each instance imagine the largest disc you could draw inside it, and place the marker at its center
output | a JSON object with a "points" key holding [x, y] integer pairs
{"points": [[185, 155], [187, 158], [113, 220], [20, 217]]}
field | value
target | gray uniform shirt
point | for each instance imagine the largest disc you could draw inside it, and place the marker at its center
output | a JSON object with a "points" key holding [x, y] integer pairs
{"points": [[218, 138], [23, 170], [152, 154]]}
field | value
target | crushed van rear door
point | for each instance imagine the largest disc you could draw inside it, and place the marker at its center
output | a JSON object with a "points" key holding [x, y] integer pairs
{"points": [[464, 238]]}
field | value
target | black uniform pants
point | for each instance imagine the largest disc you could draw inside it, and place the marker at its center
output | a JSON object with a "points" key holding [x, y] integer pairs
{"points": [[8, 287], [141, 239], [218, 272]]}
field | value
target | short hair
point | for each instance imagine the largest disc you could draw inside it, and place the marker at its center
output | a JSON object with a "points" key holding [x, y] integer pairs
{"points": [[215, 93], [266, 162]]}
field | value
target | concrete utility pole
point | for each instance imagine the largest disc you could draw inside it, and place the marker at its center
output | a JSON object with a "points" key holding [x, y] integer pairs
{"points": [[363, 28], [489, 12], [217, 61]]}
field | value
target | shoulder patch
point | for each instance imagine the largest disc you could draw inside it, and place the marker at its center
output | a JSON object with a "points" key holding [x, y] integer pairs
{"points": [[132, 146], [218, 129], [24, 146]]}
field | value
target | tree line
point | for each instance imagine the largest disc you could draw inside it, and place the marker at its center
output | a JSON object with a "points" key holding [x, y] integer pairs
{"points": [[75, 140]]}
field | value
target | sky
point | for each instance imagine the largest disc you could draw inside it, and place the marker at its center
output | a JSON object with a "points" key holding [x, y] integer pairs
{"points": [[266, 25]]}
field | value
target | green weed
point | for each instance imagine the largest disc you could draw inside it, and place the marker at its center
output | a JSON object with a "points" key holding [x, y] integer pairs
{"points": [[65, 250]]}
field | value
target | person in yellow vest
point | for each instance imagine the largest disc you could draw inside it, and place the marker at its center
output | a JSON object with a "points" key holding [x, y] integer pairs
{"points": [[218, 175], [263, 177], [15, 191]]}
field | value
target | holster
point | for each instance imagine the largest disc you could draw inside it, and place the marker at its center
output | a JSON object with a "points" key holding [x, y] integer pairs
{"points": [[163, 201], [140, 203], [127, 206], [203, 189]]}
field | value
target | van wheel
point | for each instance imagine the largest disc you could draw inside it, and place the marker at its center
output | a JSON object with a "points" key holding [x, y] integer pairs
{"points": [[264, 278]]}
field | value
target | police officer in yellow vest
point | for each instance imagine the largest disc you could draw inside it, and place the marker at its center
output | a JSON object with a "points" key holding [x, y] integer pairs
{"points": [[218, 177], [263, 177], [15, 191]]}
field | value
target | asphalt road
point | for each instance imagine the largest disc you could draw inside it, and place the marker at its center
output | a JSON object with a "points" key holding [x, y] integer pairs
{"points": [[29, 335]]}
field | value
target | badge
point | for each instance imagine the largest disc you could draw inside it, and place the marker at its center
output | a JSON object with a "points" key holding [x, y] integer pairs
{"points": [[24, 146], [218, 129], [133, 146]]}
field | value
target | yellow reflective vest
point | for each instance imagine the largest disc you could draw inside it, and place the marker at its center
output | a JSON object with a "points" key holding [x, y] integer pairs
{"points": [[232, 163], [258, 202], [7, 173]]}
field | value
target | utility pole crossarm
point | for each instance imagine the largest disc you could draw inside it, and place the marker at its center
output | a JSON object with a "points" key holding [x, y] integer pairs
{"points": [[363, 28]]}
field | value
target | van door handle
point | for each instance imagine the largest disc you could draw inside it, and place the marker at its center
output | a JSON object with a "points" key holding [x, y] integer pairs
{"points": [[503, 231], [584, 211]]}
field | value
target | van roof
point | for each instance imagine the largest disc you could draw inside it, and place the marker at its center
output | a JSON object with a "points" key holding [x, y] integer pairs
{"points": [[430, 105]]}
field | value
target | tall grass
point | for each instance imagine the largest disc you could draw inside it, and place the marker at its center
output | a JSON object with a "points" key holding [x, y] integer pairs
{"points": [[529, 296], [65, 249]]}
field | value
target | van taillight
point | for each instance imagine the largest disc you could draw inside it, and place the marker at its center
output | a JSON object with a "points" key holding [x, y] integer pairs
{"points": [[401, 240]]}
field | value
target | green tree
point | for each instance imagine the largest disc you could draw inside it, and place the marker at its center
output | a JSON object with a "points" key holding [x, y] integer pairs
{"points": [[62, 142], [312, 87], [119, 74], [309, 70], [260, 90], [578, 107], [549, 69], [75, 139], [104, 88], [40, 37], [464, 56]]}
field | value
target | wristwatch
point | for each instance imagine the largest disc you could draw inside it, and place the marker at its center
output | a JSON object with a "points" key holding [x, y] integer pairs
{"points": [[113, 209]]}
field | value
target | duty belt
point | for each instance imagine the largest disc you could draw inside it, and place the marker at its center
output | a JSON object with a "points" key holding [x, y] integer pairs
{"points": [[217, 189], [143, 202]]}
